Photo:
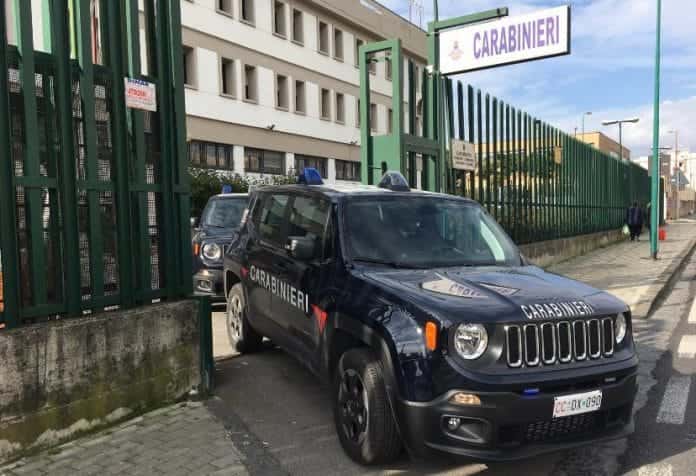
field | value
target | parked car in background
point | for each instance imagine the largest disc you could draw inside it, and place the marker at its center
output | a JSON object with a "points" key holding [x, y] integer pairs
{"points": [[218, 226]]}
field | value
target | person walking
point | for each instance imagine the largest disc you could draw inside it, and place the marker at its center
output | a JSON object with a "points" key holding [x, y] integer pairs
{"points": [[634, 220]]}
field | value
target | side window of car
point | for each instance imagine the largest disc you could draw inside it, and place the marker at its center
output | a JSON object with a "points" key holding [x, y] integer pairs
{"points": [[309, 219], [270, 218]]}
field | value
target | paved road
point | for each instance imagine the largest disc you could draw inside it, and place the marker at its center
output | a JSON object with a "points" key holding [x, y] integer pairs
{"points": [[665, 440], [290, 413]]}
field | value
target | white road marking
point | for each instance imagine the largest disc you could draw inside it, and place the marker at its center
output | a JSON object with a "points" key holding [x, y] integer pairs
{"points": [[692, 312], [674, 401], [659, 469], [687, 347]]}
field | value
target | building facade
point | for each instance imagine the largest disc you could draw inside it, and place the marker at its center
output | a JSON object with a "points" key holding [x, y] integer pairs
{"points": [[602, 142], [273, 86]]}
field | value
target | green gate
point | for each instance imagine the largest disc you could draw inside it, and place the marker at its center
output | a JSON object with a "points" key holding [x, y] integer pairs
{"points": [[94, 196], [537, 181]]}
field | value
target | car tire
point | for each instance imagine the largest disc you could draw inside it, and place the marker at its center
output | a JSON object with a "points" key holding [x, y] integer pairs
{"points": [[243, 338], [362, 413]]}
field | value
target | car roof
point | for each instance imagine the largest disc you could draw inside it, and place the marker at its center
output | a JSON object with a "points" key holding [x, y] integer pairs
{"points": [[351, 189], [230, 195]]}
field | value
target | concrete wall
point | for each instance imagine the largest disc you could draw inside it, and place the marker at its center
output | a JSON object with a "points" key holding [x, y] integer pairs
{"points": [[547, 253], [63, 378]]}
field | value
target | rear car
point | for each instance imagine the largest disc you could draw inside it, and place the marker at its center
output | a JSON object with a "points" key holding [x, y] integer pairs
{"points": [[217, 227]]}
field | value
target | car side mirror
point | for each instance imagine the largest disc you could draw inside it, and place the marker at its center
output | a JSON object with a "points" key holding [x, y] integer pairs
{"points": [[524, 260], [301, 247], [194, 222]]}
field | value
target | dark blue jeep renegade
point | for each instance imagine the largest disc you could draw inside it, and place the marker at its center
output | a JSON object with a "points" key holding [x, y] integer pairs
{"points": [[431, 328]]}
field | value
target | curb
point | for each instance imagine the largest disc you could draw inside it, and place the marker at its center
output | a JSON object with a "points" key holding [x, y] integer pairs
{"points": [[673, 271]]}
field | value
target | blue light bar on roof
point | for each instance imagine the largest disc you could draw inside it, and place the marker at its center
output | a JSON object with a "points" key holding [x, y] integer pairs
{"points": [[310, 176], [227, 188]]}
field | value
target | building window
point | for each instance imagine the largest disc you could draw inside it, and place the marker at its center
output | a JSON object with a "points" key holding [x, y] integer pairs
{"points": [[189, 66], [388, 68], [357, 113], [297, 27], [264, 161], [319, 163], [358, 44], [417, 78], [323, 38], [247, 13], [338, 44], [227, 78], [300, 97], [346, 170], [210, 155], [279, 21], [224, 6], [250, 84], [282, 96], [373, 117], [390, 121], [372, 64], [325, 105], [340, 108]]}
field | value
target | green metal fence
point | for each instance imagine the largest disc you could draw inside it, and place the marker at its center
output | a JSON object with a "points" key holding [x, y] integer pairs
{"points": [[94, 196], [537, 181]]}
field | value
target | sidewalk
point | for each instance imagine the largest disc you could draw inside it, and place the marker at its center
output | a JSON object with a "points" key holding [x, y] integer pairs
{"points": [[181, 439], [627, 271], [189, 439]]}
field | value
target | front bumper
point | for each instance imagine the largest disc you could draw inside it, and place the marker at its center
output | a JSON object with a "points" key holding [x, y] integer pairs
{"points": [[209, 282], [509, 426]]}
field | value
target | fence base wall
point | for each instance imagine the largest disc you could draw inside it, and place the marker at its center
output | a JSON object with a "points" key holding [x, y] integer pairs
{"points": [[64, 378], [547, 253]]}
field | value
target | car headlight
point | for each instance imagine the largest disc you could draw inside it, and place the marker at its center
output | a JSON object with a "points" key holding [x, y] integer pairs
{"points": [[212, 251], [470, 340], [620, 328]]}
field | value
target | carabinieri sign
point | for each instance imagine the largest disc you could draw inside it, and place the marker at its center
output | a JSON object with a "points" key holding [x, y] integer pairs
{"points": [[542, 34]]}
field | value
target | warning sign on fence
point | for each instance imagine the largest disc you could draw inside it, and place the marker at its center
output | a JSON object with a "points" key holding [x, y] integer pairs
{"points": [[463, 155], [140, 95]]}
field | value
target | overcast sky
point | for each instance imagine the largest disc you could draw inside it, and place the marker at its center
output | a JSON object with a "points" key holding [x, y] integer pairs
{"points": [[610, 71]]}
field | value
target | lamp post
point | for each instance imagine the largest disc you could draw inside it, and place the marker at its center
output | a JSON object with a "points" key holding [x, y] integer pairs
{"points": [[621, 122], [677, 166], [655, 182], [589, 113]]}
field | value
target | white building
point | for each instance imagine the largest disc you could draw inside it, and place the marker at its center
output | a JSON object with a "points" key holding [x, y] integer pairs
{"points": [[273, 85]]}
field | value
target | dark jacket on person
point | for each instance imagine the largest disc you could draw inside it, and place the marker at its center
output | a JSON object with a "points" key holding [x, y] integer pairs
{"points": [[634, 216]]}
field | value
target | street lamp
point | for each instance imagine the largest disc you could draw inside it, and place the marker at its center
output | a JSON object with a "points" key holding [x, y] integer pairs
{"points": [[589, 113], [678, 167], [621, 122]]}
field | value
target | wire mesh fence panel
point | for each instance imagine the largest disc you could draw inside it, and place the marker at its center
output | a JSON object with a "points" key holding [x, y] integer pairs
{"points": [[91, 205]]}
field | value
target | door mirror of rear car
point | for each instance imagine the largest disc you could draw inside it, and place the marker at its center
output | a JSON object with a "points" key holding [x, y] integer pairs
{"points": [[194, 222], [301, 247]]}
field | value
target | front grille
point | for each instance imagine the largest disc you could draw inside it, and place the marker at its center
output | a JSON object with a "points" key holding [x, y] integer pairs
{"points": [[560, 427], [550, 343]]}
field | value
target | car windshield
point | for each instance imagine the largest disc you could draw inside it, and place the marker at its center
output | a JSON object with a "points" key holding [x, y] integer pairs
{"points": [[224, 212], [425, 232]]}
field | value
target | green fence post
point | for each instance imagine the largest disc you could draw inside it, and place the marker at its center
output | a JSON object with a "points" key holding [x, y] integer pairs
{"points": [[64, 98], [32, 169], [83, 21], [8, 219], [182, 184], [121, 151]]}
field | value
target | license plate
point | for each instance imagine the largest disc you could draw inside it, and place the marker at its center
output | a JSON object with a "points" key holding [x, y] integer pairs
{"points": [[576, 404]]}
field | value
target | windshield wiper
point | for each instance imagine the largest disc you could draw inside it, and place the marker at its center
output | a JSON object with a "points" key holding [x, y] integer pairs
{"points": [[393, 264]]}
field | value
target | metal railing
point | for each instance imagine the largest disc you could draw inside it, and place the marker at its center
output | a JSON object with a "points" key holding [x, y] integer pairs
{"points": [[94, 197], [537, 181]]}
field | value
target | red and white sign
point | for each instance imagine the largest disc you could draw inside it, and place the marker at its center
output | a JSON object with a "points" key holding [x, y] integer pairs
{"points": [[140, 95]]}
